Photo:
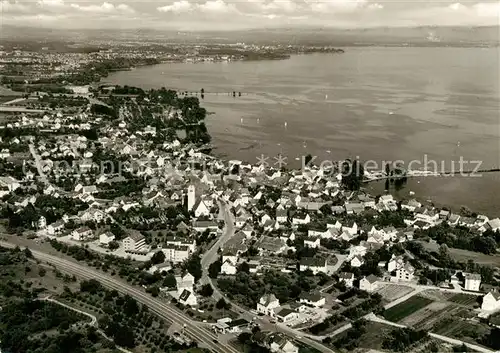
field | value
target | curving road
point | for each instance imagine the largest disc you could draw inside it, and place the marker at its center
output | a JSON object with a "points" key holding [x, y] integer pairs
{"points": [[192, 328]]}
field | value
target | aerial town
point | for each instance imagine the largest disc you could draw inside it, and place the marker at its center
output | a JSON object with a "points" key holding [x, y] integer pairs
{"points": [[123, 224]]}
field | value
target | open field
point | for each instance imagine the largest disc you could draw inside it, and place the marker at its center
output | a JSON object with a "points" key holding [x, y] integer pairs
{"points": [[391, 292], [406, 308], [465, 255]]}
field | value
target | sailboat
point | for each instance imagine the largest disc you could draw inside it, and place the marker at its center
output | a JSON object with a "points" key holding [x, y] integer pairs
{"points": [[286, 124]]}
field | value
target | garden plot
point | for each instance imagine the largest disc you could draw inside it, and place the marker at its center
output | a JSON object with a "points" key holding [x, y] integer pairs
{"points": [[462, 299], [422, 315], [406, 308], [391, 292]]}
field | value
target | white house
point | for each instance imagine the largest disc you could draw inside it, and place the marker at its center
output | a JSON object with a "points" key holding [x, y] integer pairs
{"points": [[135, 242], [314, 299], [301, 220], [357, 261], [228, 267], [281, 214], [176, 253], [184, 282], [315, 264], [347, 278], [405, 273], [491, 301], [286, 315], [312, 242], [282, 345], [82, 234], [395, 263], [188, 298], [267, 304], [9, 182], [201, 209], [55, 228], [472, 281], [106, 238], [369, 283]]}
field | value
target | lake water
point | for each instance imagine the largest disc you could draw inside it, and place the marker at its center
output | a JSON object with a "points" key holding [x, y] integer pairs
{"points": [[376, 103]]}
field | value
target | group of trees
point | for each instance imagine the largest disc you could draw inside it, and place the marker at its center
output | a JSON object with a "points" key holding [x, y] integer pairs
{"points": [[247, 288], [399, 340], [462, 238]]}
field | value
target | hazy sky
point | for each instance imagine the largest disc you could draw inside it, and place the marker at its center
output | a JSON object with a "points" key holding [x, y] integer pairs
{"points": [[240, 14]]}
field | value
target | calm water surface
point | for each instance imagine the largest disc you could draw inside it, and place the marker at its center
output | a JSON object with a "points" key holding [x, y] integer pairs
{"points": [[375, 103]]}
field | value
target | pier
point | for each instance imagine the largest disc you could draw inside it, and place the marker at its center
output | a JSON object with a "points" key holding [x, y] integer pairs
{"points": [[419, 173]]}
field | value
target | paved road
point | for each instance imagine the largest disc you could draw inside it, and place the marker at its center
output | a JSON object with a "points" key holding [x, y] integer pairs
{"points": [[211, 255], [193, 330], [14, 101], [38, 163]]}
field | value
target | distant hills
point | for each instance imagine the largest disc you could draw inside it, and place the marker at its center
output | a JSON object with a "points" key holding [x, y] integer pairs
{"points": [[420, 36]]}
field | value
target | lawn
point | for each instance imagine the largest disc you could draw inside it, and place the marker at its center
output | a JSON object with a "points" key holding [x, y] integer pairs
{"points": [[406, 308]]}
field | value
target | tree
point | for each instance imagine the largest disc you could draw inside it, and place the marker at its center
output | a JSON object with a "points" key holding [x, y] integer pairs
{"points": [[158, 258], [42, 272], [193, 266], [169, 281], [214, 268], [206, 290], [244, 267], [221, 304]]}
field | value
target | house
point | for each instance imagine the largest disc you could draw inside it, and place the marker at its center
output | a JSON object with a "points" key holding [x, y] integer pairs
{"points": [[405, 273], [267, 304], [312, 242], [92, 214], [201, 226], [347, 278], [181, 241], [176, 253], [493, 224], [279, 343], [354, 208], [228, 325], [369, 283], [491, 301], [160, 268], [281, 214], [301, 220], [315, 264], [184, 282], [106, 238], [201, 209], [395, 263], [357, 261], [134, 242], [352, 229], [188, 298], [228, 267], [472, 281], [9, 182], [55, 228], [82, 234], [314, 299], [286, 315]]}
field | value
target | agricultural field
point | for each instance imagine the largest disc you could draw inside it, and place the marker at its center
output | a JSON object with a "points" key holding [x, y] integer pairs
{"points": [[463, 299], [391, 292], [406, 308]]}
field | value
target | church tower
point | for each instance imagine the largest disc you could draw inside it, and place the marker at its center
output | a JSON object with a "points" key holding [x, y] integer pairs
{"points": [[191, 197]]}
